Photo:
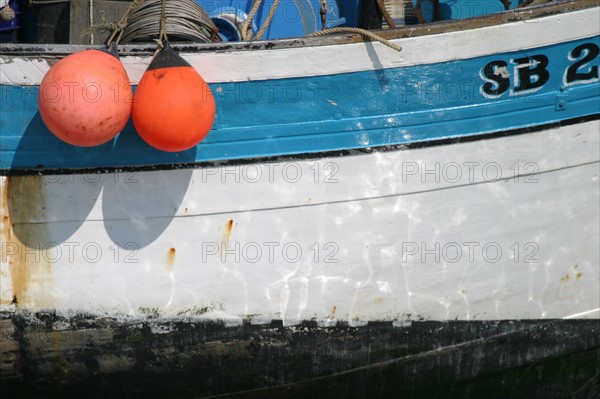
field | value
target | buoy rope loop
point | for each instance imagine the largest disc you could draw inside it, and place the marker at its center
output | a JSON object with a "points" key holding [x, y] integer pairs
{"points": [[120, 26], [163, 25], [105, 25], [363, 32]]}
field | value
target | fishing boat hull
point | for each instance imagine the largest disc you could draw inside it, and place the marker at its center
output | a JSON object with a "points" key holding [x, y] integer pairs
{"points": [[457, 231], [259, 287]]}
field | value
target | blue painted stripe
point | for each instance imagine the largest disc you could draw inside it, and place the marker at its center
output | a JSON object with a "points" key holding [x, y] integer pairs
{"points": [[316, 114]]}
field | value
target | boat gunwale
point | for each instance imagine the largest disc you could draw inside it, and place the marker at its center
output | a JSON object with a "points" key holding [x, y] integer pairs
{"points": [[435, 28]]}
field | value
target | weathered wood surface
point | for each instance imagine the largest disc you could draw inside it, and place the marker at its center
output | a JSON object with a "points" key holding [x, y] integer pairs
{"points": [[10, 365], [102, 12], [81, 354]]}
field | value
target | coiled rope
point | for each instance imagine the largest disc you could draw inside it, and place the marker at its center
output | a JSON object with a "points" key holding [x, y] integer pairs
{"points": [[185, 20], [362, 32]]}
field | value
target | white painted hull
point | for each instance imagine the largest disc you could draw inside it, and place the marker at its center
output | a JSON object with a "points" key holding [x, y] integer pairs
{"points": [[393, 235]]}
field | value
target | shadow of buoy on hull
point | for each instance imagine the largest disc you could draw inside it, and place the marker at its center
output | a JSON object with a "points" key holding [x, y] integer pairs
{"points": [[62, 199], [136, 206]]}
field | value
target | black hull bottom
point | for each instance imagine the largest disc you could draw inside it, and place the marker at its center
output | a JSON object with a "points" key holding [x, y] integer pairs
{"points": [[45, 355]]}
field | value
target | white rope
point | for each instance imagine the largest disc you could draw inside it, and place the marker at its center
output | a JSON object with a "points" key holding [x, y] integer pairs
{"points": [[244, 32], [265, 25]]}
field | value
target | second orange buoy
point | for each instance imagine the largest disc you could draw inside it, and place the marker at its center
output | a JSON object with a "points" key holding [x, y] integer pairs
{"points": [[173, 107]]}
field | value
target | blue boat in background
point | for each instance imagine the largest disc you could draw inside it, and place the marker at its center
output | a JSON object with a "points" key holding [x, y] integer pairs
{"points": [[395, 198]]}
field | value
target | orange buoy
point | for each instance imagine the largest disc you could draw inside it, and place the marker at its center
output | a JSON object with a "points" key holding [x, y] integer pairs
{"points": [[173, 107], [85, 98]]}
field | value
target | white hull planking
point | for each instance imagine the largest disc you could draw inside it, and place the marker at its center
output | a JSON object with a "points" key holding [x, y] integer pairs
{"points": [[375, 215]]}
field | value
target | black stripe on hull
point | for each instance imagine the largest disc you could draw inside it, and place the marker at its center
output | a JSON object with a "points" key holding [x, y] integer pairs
{"points": [[182, 358]]}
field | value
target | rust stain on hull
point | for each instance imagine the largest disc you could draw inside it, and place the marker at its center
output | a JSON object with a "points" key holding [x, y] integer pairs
{"points": [[6, 295], [227, 232], [171, 258], [225, 239], [25, 243]]}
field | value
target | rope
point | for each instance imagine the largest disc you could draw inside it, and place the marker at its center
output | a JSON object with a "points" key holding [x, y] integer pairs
{"points": [[268, 20], [386, 15], [163, 24], [186, 19], [248, 21], [323, 13], [120, 26], [363, 32], [7, 14]]}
